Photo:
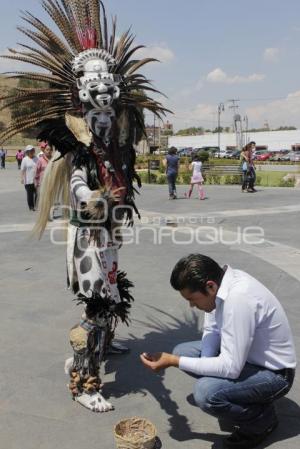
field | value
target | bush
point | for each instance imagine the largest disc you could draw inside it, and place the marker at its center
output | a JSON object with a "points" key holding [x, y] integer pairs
{"points": [[145, 178], [232, 179], [287, 183], [161, 179], [258, 181], [162, 169], [203, 156], [184, 178], [213, 179]]}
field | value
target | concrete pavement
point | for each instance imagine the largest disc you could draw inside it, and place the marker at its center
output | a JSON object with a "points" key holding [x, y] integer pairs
{"points": [[37, 312]]}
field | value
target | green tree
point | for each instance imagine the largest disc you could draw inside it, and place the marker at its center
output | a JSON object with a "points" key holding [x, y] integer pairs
{"points": [[218, 129], [193, 131], [167, 132], [286, 128]]}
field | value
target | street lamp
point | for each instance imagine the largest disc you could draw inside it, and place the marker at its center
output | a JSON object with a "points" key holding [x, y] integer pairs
{"points": [[221, 108], [246, 129]]}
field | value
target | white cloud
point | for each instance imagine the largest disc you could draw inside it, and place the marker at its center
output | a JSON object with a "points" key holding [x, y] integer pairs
{"points": [[282, 112], [202, 114], [279, 112], [271, 54], [219, 76], [216, 76], [159, 51]]}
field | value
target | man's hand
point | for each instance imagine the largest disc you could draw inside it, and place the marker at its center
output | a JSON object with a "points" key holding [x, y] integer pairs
{"points": [[159, 361]]}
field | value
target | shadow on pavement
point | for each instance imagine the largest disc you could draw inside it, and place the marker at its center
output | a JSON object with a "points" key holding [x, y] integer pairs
{"points": [[131, 376], [289, 422]]}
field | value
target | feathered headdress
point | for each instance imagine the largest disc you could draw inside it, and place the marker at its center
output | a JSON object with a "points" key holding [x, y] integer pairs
{"points": [[83, 25]]}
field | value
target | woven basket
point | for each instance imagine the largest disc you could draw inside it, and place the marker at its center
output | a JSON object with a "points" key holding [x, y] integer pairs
{"points": [[135, 433]]}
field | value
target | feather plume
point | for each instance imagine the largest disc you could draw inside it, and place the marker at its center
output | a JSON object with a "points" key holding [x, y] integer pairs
{"points": [[82, 24]]}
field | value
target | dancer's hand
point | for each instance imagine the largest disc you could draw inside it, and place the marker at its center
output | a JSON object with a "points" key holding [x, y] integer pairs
{"points": [[159, 361]]}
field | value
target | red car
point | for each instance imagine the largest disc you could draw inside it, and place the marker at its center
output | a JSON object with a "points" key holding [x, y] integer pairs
{"points": [[263, 157]]}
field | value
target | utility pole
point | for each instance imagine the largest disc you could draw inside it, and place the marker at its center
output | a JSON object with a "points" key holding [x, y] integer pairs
{"points": [[154, 130], [237, 123], [234, 105], [246, 130], [221, 108]]}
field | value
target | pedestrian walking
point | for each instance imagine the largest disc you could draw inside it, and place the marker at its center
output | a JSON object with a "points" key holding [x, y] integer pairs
{"points": [[171, 163], [246, 359], [252, 172], [28, 168], [42, 162], [248, 168], [197, 178], [19, 158], [244, 160], [3, 154]]}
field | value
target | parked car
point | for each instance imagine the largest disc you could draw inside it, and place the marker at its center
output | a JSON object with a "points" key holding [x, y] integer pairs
{"points": [[258, 153], [185, 152], [235, 154], [224, 154], [212, 151], [294, 156], [278, 155], [263, 156]]}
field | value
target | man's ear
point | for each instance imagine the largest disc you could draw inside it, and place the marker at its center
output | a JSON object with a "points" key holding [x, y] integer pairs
{"points": [[211, 287]]}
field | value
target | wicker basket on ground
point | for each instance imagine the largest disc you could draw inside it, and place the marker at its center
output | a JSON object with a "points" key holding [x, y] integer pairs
{"points": [[135, 433]]}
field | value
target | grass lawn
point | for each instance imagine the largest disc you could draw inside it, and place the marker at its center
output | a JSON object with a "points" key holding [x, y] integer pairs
{"points": [[270, 178]]}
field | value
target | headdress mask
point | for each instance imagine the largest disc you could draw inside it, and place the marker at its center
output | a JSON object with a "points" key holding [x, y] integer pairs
{"points": [[86, 74]]}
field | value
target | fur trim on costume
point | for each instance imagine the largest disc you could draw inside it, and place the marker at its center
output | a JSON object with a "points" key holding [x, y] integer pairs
{"points": [[106, 308]]}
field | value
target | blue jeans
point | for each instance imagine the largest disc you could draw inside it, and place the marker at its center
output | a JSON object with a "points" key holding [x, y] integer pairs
{"points": [[247, 401], [172, 183]]}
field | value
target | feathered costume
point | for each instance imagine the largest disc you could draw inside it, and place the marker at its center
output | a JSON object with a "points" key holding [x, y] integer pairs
{"points": [[89, 106]]}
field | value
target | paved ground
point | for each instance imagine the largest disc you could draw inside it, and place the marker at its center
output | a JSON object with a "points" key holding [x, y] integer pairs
{"points": [[37, 311]]}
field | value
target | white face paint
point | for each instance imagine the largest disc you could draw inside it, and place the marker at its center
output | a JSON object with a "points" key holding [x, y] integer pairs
{"points": [[100, 122], [97, 85]]}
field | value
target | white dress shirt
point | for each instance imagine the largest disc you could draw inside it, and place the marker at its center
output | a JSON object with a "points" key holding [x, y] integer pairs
{"points": [[247, 325]]}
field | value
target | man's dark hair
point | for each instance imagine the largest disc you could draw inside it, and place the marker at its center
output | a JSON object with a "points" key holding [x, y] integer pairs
{"points": [[172, 150], [252, 143], [194, 271]]}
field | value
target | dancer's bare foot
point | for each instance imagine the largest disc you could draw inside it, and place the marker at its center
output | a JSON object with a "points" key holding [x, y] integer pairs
{"points": [[94, 402]]}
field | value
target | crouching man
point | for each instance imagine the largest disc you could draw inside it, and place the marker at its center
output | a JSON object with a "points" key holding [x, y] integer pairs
{"points": [[246, 358]]}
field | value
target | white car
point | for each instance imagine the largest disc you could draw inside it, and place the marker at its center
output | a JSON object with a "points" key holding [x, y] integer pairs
{"points": [[223, 153], [294, 156]]}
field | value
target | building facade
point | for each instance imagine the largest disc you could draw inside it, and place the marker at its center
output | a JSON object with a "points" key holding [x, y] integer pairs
{"points": [[270, 140]]}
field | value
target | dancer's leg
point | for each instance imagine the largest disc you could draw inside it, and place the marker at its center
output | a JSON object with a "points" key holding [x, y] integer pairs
{"points": [[88, 342], [96, 274]]}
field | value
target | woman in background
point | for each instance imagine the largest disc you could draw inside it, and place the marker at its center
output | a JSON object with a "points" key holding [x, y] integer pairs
{"points": [[197, 178]]}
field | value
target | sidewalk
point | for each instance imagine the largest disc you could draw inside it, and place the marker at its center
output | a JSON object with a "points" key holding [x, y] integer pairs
{"points": [[37, 312]]}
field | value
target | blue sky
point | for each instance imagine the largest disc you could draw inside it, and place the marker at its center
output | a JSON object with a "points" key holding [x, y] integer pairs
{"points": [[211, 51]]}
